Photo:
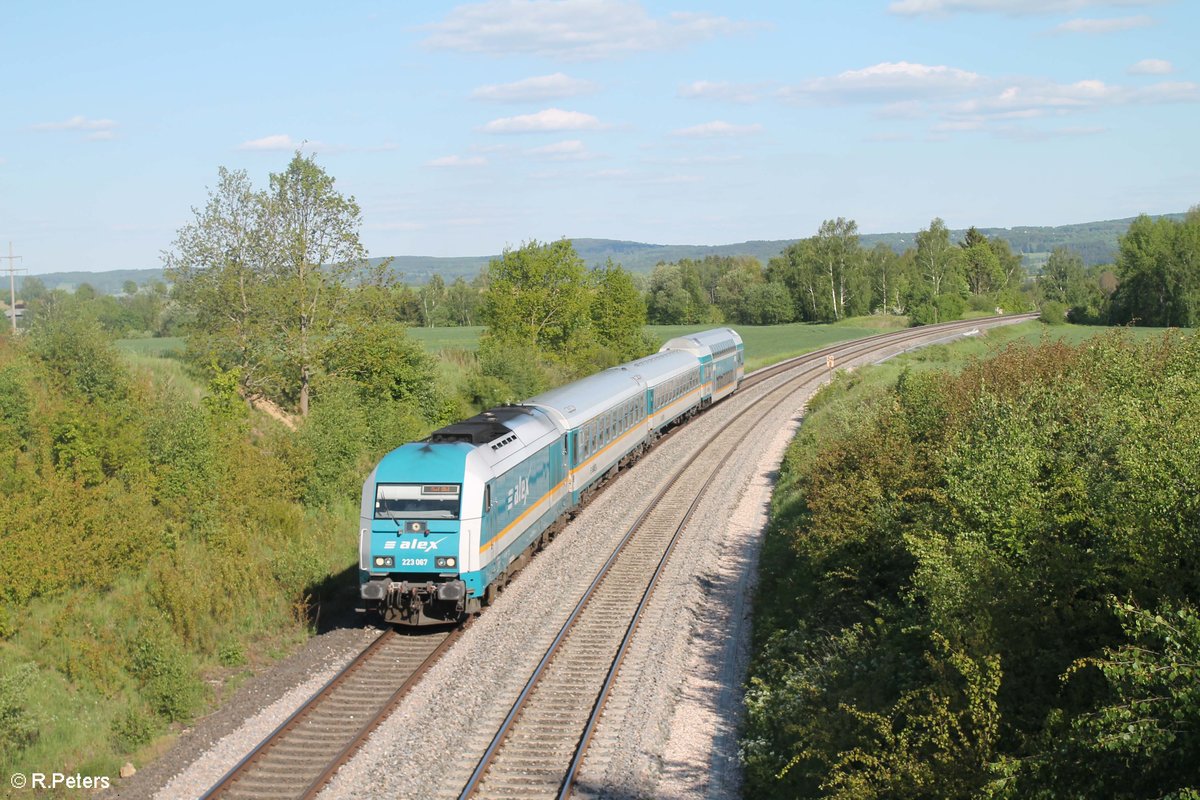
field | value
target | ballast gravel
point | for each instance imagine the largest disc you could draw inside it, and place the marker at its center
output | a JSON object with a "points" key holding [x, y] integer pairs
{"points": [[204, 752], [670, 728]]}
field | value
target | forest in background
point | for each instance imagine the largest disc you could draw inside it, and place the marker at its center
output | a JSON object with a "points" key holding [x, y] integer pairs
{"points": [[1094, 242], [123, 484]]}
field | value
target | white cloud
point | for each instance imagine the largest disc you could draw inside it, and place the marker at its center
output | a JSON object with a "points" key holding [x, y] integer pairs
{"points": [[549, 120], [580, 30], [542, 87], [888, 82], [1151, 66], [1014, 7], [458, 161], [569, 150], [280, 141], [718, 128], [1035, 99], [1103, 25], [94, 130], [721, 90]]}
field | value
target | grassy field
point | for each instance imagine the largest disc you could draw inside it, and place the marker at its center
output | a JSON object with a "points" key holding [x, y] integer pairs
{"points": [[765, 344], [160, 359], [435, 339]]}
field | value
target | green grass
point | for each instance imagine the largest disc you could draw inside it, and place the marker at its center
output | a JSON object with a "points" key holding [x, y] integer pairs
{"points": [[765, 344], [435, 339], [160, 348], [955, 355], [160, 359]]}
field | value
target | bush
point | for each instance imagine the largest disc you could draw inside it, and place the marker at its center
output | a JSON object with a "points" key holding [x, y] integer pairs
{"points": [[165, 673], [134, 727], [1053, 313], [18, 727]]}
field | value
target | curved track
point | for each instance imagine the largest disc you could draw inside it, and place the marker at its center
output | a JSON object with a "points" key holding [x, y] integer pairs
{"points": [[544, 737], [302, 754]]}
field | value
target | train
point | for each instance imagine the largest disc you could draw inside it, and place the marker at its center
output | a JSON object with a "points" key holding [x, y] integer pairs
{"points": [[446, 522]]}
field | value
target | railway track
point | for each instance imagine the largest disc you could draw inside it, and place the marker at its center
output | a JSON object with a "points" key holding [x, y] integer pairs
{"points": [[544, 737], [303, 753]]}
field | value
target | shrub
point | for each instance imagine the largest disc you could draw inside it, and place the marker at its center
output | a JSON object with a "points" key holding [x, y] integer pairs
{"points": [[1053, 313], [18, 727], [165, 673], [134, 727]]}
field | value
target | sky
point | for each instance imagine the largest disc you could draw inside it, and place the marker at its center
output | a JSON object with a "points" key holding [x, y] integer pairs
{"points": [[464, 129]]}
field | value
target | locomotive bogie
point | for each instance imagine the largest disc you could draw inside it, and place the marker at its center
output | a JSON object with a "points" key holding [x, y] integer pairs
{"points": [[446, 522]]}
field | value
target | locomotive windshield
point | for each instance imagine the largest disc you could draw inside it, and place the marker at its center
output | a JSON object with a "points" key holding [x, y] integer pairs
{"points": [[417, 500]]}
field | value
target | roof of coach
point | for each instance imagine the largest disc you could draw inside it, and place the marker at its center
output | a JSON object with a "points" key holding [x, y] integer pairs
{"points": [[705, 342], [655, 368], [583, 399]]}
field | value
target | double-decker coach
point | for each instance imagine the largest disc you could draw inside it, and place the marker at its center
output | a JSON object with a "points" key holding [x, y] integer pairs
{"points": [[445, 521]]}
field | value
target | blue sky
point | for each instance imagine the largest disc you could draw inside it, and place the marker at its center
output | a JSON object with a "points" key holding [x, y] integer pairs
{"points": [[461, 129]]}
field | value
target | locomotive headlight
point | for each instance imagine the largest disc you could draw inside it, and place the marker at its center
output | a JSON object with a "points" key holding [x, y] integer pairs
{"points": [[445, 561], [385, 561]]}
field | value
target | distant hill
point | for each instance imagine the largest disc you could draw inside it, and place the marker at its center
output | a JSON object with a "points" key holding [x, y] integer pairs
{"points": [[1096, 242]]}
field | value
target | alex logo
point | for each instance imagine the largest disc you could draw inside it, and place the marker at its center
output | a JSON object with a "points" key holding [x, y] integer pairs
{"points": [[425, 545]]}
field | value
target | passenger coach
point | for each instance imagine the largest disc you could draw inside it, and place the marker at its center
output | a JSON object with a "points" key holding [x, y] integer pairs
{"points": [[446, 521]]}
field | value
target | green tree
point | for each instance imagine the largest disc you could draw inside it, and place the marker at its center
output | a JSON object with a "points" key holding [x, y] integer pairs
{"points": [[266, 275], [841, 264], [768, 304], [462, 302], [889, 277], [938, 261], [736, 289], [219, 276], [1064, 278], [798, 268], [433, 298], [984, 273], [1159, 270], [312, 248], [668, 301], [538, 298], [618, 313]]}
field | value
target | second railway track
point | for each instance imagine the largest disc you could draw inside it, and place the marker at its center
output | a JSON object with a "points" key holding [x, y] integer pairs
{"points": [[544, 736], [543, 739]]}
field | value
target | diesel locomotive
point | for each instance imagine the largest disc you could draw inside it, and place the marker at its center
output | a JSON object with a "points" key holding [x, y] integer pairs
{"points": [[446, 521]]}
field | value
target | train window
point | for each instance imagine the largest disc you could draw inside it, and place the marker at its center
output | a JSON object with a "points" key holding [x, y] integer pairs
{"points": [[416, 501]]}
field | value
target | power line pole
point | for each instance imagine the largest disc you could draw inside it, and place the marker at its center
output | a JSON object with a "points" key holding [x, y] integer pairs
{"points": [[12, 285]]}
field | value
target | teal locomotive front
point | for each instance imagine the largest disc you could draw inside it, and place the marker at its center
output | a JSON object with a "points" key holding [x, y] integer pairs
{"points": [[414, 508]]}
